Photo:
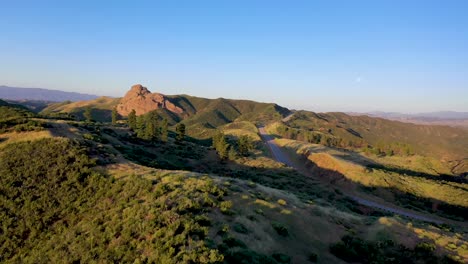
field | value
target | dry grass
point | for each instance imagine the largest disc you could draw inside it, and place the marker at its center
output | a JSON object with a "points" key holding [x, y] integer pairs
{"points": [[14, 137]]}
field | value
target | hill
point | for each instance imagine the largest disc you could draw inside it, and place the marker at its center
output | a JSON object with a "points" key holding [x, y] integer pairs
{"points": [[97, 194], [201, 115], [74, 191], [380, 136], [101, 108], [40, 94], [9, 111]]}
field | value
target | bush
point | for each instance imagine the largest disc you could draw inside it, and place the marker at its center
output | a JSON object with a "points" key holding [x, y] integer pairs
{"points": [[353, 249], [313, 257], [282, 258], [225, 206], [280, 229], [246, 256], [240, 228], [282, 202], [55, 208]]}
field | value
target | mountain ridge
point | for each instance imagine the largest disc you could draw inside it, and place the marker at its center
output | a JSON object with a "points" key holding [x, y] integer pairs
{"points": [[42, 94]]}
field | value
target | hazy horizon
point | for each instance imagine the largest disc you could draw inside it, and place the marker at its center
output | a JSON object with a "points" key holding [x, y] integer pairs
{"points": [[361, 56]]}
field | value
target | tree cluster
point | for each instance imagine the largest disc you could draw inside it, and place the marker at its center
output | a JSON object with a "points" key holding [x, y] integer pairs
{"points": [[225, 150], [148, 126], [389, 149]]}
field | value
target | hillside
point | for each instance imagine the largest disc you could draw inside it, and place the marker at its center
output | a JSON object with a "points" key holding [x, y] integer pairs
{"points": [[9, 111], [101, 108], [380, 136], [40, 94], [89, 192], [201, 115]]}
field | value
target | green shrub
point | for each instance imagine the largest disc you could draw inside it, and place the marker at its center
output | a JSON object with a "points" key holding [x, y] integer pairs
{"points": [[282, 202], [240, 228], [247, 256], [280, 229], [313, 257], [55, 208], [282, 258], [354, 249]]}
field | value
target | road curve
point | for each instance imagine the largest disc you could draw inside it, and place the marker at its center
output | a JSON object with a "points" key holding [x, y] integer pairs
{"points": [[281, 157]]}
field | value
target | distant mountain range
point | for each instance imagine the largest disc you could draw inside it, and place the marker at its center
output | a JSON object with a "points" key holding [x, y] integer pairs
{"points": [[448, 118], [40, 94], [428, 116]]}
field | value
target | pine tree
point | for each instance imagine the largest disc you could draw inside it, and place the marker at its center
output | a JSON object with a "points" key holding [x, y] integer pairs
{"points": [[217, 138], [164, 130], [132, 120], [152, 129], [115, 116], [232, 153], [245, 145], [220, 144], [88, 114], [141, 127], [180, 130]]}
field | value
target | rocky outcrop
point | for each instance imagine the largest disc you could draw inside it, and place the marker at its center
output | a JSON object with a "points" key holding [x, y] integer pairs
{"points": [[143, 101]]}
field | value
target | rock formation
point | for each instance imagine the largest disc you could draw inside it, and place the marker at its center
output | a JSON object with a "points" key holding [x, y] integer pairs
{"points": [[143, 101]]}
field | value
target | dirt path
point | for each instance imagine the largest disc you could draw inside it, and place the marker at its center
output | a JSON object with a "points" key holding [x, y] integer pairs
{"points": [[280, 156]]}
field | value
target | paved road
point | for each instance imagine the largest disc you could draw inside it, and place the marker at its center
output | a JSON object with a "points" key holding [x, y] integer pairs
{"points": [[396, 210], [275, 149], [281, 157]]}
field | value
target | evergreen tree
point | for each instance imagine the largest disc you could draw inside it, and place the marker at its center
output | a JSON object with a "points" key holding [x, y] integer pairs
{"points": [[164, 130], [115, 116], [216, 139], [152, 129], [220, 144], [245, 145], [132, 120], [232, 153], [88, 114], [141, 127], [180, 130]]}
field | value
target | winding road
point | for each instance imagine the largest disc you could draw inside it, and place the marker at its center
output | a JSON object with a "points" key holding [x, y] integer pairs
{"points": [[281, 157]]}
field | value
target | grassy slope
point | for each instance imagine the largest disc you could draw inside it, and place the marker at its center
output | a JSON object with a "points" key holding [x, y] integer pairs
{"points": [[381, 180], [101, 108], [110, 227], [442, 142]]}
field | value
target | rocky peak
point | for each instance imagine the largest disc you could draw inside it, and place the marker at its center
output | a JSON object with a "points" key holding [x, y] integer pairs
{"points": [[138, 90], [142, 101]]}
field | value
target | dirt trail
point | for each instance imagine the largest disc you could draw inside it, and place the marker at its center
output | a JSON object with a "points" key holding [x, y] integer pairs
{"points": [[279, 155]]}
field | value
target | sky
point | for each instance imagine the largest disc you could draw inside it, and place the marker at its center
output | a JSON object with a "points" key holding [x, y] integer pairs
{"points": [[400, 56]]}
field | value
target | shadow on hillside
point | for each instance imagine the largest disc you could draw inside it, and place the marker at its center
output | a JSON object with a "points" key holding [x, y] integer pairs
{"points": [[100, 115], [192, 157], [441, 177], [399, 197], [373, 165]]}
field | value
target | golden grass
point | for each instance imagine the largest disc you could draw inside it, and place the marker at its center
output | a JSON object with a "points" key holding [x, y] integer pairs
{"points": [[100, 103], [14, 137]]}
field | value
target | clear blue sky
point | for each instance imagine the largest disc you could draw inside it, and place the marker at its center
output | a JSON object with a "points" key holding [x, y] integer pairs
{"points": [[407, 56]]}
